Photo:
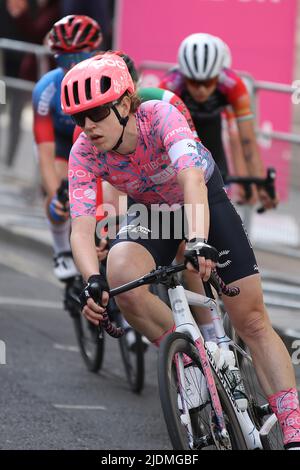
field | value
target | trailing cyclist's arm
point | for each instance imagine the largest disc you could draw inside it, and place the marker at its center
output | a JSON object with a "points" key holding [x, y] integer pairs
{"points": [[195, 200], [46, 155], [250, 148]]}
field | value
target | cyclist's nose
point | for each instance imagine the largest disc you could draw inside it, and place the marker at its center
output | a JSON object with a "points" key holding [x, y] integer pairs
{"points": [[89, 124]]}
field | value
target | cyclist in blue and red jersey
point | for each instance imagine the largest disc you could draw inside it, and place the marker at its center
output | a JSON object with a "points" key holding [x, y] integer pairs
{"points": [[208, 88], [72, 39]]}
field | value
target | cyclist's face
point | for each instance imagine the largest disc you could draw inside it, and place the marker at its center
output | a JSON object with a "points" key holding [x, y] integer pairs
{"points": [[104, 134], [200, 91]]}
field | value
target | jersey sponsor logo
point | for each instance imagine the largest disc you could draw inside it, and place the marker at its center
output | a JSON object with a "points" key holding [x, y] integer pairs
{"points": [[84, 193], [110, 62], [157, 163], [79, 174], [45, 100], [225, 263], [177, 131], [183, 147], [163, 175]]}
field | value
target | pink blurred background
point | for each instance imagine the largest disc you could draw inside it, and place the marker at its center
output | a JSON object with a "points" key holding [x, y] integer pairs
{"points": [[260, 33]]}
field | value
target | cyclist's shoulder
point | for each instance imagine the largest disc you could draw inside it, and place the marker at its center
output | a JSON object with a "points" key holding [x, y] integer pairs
{"points": [[82, 147], [173, 80], [229, 80], [150, 93], [53, 76], [155, 110], [50, 81]]}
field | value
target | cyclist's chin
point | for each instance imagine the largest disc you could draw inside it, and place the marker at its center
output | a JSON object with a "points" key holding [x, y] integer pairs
{"points": [[102, 144], [201, 98]]}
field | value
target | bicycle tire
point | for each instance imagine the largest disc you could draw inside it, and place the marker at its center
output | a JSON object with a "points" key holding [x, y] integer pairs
{"points": [[181, 343], [133, 359], [256, 396], [90, 341]]}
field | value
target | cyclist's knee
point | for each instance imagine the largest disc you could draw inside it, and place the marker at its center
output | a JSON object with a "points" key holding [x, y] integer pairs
{"points": [[132, 301]]}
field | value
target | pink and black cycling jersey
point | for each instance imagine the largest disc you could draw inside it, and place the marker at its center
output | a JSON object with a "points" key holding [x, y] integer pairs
{"points": [[165, 146], [230, 91]]}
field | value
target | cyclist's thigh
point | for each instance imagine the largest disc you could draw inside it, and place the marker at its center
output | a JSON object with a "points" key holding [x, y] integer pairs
{"points": [[228, 236], [127, 261]]}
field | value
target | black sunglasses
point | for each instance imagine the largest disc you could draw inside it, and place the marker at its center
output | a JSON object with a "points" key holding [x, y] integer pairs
{"points": [[206, 83], [95, 114]]}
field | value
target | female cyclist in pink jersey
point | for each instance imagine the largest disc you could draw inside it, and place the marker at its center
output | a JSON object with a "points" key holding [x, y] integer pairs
{"points": [[150, 153]]}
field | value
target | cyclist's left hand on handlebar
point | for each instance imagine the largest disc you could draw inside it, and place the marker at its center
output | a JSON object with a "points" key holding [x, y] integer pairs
{"points": [[94, 298], [58, 211], [200, 257], [266, 200], [245, 194]]}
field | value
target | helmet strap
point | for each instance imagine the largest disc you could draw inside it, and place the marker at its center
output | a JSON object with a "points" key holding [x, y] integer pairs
{"points": [[123, 121]]}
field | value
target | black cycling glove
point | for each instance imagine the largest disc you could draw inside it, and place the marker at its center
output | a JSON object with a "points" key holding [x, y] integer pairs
{"points": [[94, 288], [199, 247]]}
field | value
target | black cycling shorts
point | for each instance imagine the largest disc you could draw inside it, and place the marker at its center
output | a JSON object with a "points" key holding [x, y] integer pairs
{"points": [[226, 234]]}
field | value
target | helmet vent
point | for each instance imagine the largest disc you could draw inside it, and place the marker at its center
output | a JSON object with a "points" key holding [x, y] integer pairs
{"points": [[195, 57], [75, 93], [214, 61], [88, 93], [205, 58], [67, 96], [187, 62], [85, 32], [105, 84]]}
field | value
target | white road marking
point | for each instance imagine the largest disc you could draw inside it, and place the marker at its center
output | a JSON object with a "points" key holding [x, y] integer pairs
{"points": [[36, 303], [65, 347], [20, 264], [80, 407]]}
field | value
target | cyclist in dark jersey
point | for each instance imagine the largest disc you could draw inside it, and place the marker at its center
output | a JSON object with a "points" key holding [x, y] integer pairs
{"points": [[72, 39], [208, 88]]}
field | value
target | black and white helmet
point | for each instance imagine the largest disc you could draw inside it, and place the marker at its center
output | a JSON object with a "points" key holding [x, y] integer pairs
{"points": [[201, 56]]}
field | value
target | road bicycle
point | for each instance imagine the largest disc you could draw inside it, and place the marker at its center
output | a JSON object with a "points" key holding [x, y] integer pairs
{"points": [[225, 413]]}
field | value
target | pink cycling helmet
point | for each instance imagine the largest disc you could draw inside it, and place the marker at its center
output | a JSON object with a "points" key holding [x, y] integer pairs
{"points": [[94, 82], [74, 33]]}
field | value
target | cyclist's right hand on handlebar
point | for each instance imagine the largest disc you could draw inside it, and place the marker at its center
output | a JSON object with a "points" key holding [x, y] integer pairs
{"points": [[200, 257], [94, 298]]}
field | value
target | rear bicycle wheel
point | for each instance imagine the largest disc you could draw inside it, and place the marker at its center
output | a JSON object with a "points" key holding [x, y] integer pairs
{"points": [[201, 432], [132, 357], [258, 403]]}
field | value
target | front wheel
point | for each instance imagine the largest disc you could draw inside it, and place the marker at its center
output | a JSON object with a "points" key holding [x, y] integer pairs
{"points": [[190, 422]]}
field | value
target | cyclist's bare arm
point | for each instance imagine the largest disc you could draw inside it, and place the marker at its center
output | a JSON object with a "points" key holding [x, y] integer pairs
{"points": [[195, 195], [250, 148], [85, 257], [50, 178], [239, 166], [83, 245]]}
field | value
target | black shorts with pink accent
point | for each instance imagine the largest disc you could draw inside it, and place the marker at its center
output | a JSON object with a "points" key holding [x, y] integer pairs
{"points": [[161, 233]]}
